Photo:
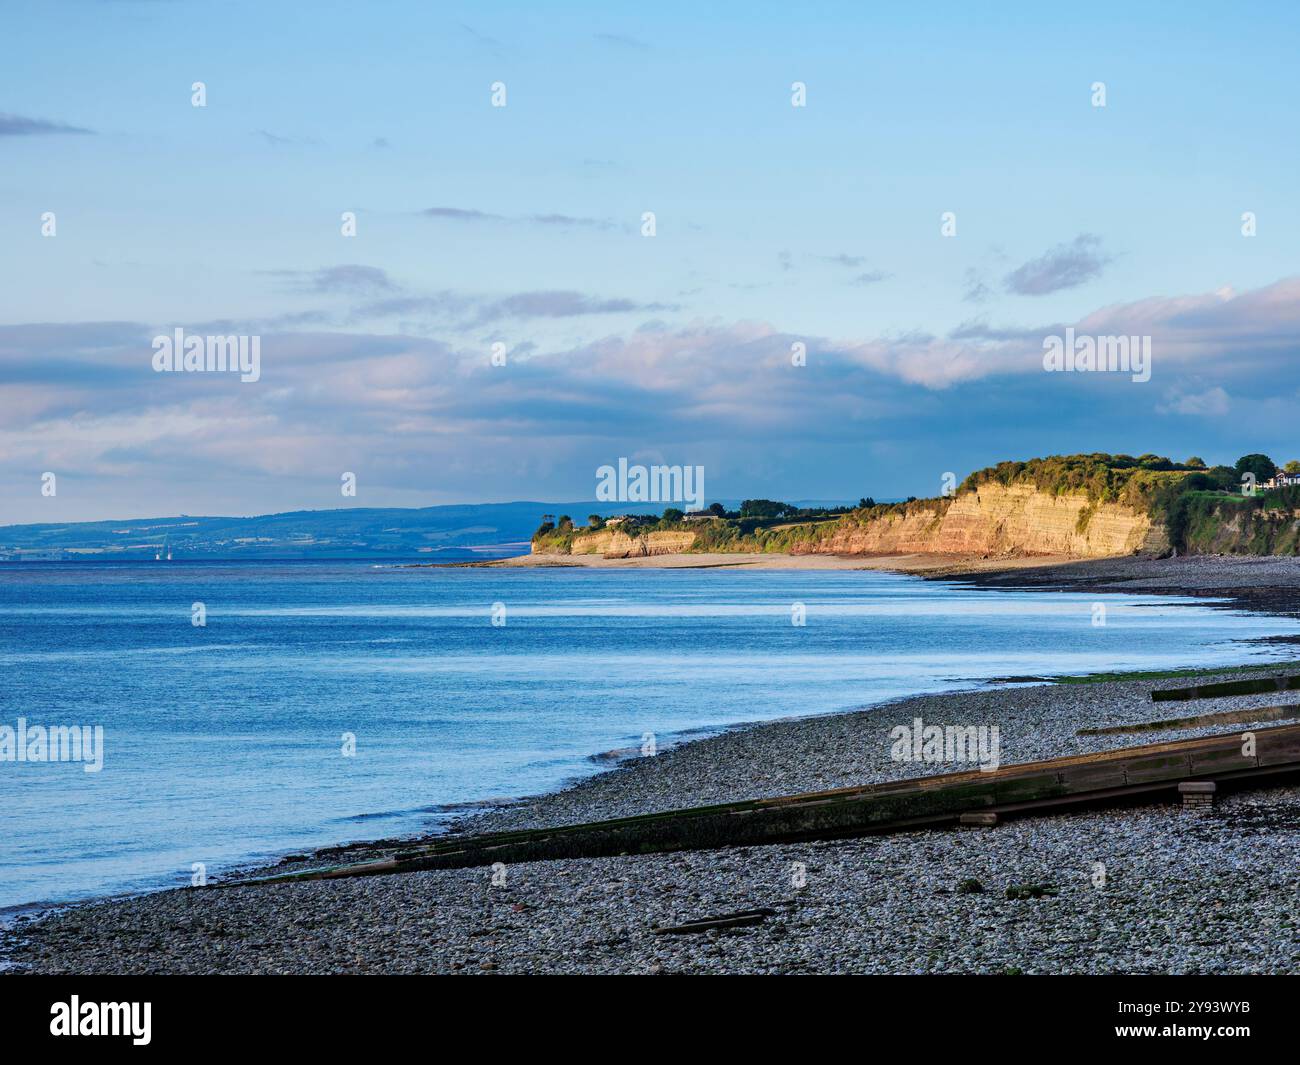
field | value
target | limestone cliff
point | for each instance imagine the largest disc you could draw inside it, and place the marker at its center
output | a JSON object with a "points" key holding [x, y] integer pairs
{"points": [[992, 519], [612, 543]]}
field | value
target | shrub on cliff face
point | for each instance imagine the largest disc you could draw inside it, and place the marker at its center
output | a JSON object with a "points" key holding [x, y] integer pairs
{"points": [[717, 536], [1202, 522], [550, 537], [870, 510], [1224, 477], [1282, 499], [1085, 518]]}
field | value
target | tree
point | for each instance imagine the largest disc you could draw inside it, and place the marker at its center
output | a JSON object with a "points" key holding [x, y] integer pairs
{"points": [[717, 510], [673, 514], [595, 521], [763, 508], [1225, 477], [866, 503], [1293, 466], [1195, 462], [1260, 465]]}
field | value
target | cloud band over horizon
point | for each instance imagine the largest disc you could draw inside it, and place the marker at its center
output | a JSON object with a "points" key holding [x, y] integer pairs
{"points": [[424, 420]]}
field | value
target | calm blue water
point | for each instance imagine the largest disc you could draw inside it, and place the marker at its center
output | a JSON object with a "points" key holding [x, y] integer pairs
{"points": [[223, 743]]}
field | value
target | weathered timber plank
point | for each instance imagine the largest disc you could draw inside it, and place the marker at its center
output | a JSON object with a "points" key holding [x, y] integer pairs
{"points": [[886, 806], [1226, 717], [1252, 686]]}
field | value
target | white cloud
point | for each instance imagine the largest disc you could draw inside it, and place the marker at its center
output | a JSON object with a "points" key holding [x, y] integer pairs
{"points": [[1212, 401]]}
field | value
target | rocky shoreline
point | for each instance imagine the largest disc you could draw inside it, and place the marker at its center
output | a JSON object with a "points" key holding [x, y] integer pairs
{"points": [[1141, 889], [1265, 583]]}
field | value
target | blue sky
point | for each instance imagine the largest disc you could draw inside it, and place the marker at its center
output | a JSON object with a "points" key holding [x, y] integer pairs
{"points": [[521, 225]]}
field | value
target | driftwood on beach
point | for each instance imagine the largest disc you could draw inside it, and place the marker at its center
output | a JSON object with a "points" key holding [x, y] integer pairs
{"points": [[1153, 770]]}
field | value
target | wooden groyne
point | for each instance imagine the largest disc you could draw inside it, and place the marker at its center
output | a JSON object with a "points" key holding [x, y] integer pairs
{"points": [[1253, 686], [1154, 770], [1223, 717]]}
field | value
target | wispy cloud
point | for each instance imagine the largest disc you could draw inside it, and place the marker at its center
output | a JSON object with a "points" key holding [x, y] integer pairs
{"points": [[481, 39], [1064, 266], [569, 221], [467, 311], [557, 304], [461, 214], [276, 140], [464, 214], [872, 277], [12, 125], [977, 289], [842, 259], [853, 262], [329, 280]]}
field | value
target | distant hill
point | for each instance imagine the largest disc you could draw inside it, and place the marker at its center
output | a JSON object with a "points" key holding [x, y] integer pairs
{"points": [[447, 533]]}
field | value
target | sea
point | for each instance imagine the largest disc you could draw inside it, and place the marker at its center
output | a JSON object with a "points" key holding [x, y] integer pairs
{"points": [[253, 709]]}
